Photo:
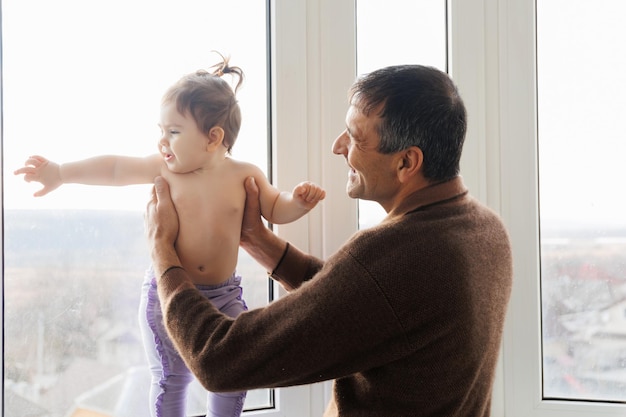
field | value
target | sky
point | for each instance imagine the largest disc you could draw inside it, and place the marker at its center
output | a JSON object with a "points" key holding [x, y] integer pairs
{"points": [[74, 88], [581, 108]]}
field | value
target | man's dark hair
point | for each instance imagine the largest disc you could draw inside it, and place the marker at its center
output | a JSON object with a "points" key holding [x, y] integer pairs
{"points": [[419, 106]]}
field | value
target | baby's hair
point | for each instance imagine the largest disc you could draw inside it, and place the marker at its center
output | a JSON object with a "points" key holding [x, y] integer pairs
{"points": [[209, 99], [224, 68]]}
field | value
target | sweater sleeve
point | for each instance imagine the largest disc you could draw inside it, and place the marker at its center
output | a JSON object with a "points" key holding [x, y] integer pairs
{"points": [[295, 267], [334, 325]]}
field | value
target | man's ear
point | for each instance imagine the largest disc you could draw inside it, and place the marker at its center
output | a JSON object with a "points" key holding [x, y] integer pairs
{"points": [[216, 137], [410, 163]]}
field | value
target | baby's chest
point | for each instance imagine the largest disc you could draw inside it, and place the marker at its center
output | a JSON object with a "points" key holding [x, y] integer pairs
{"points": [[208, 199]]}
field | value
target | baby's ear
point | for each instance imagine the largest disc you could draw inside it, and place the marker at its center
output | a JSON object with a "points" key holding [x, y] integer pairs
{"points": [[216, 137]]}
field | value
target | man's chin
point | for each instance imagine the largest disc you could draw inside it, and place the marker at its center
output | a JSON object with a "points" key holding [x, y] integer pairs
{"points": [[352, 192]]}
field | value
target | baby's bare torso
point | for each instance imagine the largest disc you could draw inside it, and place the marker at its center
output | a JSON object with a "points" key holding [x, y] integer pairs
{"points": [[210, 209]]}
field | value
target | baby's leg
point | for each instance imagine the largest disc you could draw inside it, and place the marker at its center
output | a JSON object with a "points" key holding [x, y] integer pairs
{"points": [[225, 404], [228, 299], [170, 376]]}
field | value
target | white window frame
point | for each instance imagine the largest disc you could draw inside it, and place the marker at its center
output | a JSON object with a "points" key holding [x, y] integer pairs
{"points": [[313, 63]]}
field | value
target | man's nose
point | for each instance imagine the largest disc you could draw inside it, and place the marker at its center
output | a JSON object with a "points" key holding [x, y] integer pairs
{"points": [[339, 145]]}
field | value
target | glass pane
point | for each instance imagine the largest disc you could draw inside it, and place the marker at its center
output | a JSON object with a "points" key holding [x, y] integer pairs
{"points": [[82, 79], [582, 103], [395, 32]]}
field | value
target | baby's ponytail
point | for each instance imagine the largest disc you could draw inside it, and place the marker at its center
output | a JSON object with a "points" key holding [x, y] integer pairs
{"points": [[222, 68]]}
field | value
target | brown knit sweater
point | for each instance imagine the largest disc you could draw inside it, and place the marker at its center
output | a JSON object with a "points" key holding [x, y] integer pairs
{"points": [[407, 316]]}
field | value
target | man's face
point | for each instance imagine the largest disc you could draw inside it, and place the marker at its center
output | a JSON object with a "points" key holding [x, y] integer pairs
{"points": [[372, 175]]}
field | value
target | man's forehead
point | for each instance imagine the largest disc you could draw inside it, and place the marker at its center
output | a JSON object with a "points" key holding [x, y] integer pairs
{"points": [[356, 114], [360, 125], [353, 119], [365, 104]]}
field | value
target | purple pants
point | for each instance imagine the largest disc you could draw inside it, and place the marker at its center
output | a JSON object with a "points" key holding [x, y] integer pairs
{"points": [[170, 375]]}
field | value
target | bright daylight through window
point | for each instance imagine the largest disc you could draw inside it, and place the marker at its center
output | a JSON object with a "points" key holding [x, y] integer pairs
{"points": [[82, 79], [581, 107]]}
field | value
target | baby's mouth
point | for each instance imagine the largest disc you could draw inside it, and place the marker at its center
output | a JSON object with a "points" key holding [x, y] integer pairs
{"points": [[167, 156]]}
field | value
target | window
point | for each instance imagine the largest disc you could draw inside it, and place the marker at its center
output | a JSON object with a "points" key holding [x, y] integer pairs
{"points": [[394, 33], [536, 50], [581, 105], [493, 59], [82, 79]]}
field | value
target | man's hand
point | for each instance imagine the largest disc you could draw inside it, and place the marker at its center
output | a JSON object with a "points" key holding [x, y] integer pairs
{"points": [[259, 241], [251, 224], [161, 224]]}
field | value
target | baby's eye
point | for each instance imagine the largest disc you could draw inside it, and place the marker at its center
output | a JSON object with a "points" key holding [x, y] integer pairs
{"points": [[174, 132]]}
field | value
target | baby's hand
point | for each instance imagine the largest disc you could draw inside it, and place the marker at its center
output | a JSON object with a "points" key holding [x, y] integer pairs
{"points": [[38, 168], [308, 194]]}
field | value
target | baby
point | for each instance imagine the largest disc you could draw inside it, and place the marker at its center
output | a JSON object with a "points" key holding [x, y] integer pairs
{"points": [[200, 121]]}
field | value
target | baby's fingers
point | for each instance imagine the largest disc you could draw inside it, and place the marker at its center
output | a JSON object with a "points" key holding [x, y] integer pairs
{"points": [[32, 164], [315, 194], [42, 192], [23, 170], [319, 194], [30, 173], [309, 192], [302, 190], [35, 160]]}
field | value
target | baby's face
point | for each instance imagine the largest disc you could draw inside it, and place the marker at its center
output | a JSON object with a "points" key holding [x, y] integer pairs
{"points": [[182, 144]]}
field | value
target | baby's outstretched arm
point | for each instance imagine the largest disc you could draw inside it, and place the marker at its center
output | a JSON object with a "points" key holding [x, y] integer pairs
{"points": [[37, 168], [99, 170]]}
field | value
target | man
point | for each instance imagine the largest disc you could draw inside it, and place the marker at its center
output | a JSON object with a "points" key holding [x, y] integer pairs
{"points": [[407, 316]]}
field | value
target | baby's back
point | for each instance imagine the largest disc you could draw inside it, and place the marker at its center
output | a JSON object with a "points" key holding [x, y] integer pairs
{"points": [[210, 209]]}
